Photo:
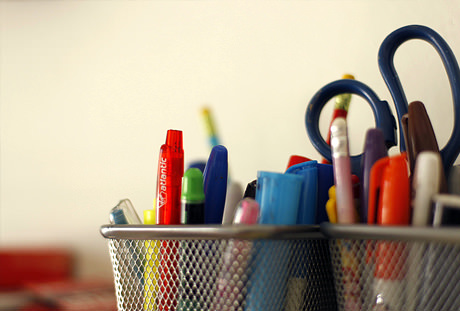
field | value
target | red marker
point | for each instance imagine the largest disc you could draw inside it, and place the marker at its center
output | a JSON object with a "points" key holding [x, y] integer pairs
{"points": [[169, 184]]}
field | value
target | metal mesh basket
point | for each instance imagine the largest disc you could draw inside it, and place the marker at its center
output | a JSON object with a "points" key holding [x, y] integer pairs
{"points": [[395, 268], [221, 268]]}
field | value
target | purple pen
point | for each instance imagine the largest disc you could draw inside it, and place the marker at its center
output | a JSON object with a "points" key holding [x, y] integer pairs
{"points": [[374, 149]]}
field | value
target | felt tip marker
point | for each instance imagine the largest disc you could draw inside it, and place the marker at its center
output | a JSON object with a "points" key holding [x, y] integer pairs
{"points": [[192, 208]]}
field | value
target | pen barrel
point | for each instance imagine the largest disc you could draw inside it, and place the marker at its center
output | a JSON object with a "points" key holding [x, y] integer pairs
{"points": [[170, 172], [344, 192]]}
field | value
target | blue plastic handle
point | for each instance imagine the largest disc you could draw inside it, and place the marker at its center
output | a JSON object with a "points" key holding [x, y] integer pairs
{"points": [[386, 54], [382, 115]]}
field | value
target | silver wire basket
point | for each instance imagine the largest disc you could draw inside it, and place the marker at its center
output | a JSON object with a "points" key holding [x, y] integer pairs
{"points": [[218, 268], [395, 268]]}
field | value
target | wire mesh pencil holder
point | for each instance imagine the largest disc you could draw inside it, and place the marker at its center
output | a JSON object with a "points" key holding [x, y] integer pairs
{"points": [[220, 267], [395, 268]]}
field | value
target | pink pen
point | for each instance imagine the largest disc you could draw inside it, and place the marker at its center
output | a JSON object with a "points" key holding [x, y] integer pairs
{"points": [[230, 282], [346, 213]]}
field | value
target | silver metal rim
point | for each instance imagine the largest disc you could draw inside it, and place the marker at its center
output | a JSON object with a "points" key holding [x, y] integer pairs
{"points": [[395, 233], [209, 232]]}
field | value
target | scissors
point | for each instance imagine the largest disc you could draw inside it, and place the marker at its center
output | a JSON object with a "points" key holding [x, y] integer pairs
{"points": [[383, 116]]}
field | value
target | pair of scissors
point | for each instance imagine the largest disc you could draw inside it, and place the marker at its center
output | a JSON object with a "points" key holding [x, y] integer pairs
{"points": [[383, 116]]}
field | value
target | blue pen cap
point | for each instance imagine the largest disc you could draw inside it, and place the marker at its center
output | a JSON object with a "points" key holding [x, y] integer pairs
{"points": [[278, 196], [308, 206], [215, 184]]}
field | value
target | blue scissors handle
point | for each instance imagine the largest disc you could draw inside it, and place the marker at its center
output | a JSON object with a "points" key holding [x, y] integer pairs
{"points": [[382, 115], [386, 54]]}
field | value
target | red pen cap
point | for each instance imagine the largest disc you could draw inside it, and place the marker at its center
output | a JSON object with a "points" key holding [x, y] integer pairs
{"points": [[174, 140], [296, 159], [389, 205]]}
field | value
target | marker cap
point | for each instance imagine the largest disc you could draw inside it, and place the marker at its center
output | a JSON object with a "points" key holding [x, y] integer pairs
{"points": [[174, 140], [192, 186], [278, 196]]}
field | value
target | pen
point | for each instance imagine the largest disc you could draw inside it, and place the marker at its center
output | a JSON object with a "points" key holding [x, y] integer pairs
{"points": [[210, 128], [170, 171], [346, 213], [374, 149], [124, 214], [296, 159], [250, 191], [234, 195], [231, 280], [425, 183], [215, 184]]}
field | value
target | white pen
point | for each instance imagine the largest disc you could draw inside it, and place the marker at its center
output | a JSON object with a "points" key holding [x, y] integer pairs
{"points": [[346, 213], [426, 183]]}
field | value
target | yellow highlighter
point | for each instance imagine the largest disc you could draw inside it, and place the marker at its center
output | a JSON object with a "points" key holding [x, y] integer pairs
{"points": [[151, 273]]}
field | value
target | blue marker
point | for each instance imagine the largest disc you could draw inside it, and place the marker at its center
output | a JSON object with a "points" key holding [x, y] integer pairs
{"points": [[215, 185], [308, 197], [278, 196]]}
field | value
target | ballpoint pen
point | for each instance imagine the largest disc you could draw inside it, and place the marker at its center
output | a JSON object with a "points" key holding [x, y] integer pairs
{"points": [[170, 172], [231, 280]]}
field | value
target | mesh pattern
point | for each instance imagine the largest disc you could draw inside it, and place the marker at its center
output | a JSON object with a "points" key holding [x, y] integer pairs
{"points": [[390, 275], [223, 275]]}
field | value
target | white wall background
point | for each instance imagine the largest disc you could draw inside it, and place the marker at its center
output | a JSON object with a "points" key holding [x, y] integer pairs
{"points": [[89, 88]]}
